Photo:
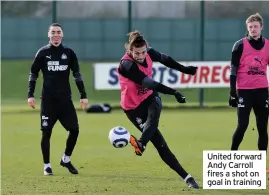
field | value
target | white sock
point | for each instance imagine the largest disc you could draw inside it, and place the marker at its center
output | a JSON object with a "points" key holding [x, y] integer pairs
{"points": [[65, 158], [46, 166], [187, 177]]}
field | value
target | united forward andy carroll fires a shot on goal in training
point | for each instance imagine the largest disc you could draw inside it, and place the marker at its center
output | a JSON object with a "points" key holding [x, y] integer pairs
{"points": [[141, 102]]}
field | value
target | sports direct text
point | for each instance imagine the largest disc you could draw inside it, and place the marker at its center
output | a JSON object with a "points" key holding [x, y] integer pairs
{"points": [[209, 75]]}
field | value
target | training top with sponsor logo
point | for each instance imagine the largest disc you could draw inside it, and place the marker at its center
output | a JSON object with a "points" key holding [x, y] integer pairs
{"points": [[133, 94], [55, 64], [252, 70]]}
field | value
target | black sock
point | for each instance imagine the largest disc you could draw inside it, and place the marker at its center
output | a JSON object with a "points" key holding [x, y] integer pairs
{"points": [[71, 142], [169, 158], [45, 145]]}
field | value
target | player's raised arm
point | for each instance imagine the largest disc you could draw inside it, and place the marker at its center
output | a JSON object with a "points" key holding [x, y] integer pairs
{"points": [[170, 62], [33, 75], [78, 79], [130, 70]]}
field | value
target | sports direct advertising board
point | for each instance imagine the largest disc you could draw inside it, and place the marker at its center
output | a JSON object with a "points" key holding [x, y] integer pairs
{"points": [[209, 75]]}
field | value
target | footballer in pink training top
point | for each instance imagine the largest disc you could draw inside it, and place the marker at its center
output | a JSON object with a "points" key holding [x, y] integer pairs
{"points": [[140, 100], [248, 82]]}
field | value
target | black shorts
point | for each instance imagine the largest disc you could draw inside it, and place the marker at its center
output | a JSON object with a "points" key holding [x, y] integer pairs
{"points": [[58, 109], [147, 113], [253, 98]]}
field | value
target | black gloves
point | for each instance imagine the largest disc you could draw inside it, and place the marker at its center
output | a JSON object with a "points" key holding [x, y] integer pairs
{"points": [[190, 70], [180, 98], [233, 100]]}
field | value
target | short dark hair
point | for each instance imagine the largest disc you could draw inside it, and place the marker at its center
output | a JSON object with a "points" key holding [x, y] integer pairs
{"points": [[55, 24]]}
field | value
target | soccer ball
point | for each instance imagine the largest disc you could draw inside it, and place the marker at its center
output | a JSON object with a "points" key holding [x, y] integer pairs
{"points": [[119, 137]]}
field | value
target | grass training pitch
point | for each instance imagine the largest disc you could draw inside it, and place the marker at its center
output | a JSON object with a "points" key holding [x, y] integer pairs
{"points": [[105, 170]]}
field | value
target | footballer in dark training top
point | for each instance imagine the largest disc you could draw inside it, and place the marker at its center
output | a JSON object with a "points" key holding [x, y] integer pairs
{"points": [[56, 60]]}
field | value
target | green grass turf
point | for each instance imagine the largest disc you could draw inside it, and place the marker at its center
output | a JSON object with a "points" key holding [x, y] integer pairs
{"points": [[105, 170]]}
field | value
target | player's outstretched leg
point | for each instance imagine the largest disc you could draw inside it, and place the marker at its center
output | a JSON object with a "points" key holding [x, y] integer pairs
{"points": [[45, 148], [70, 145], [169, 158]]}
